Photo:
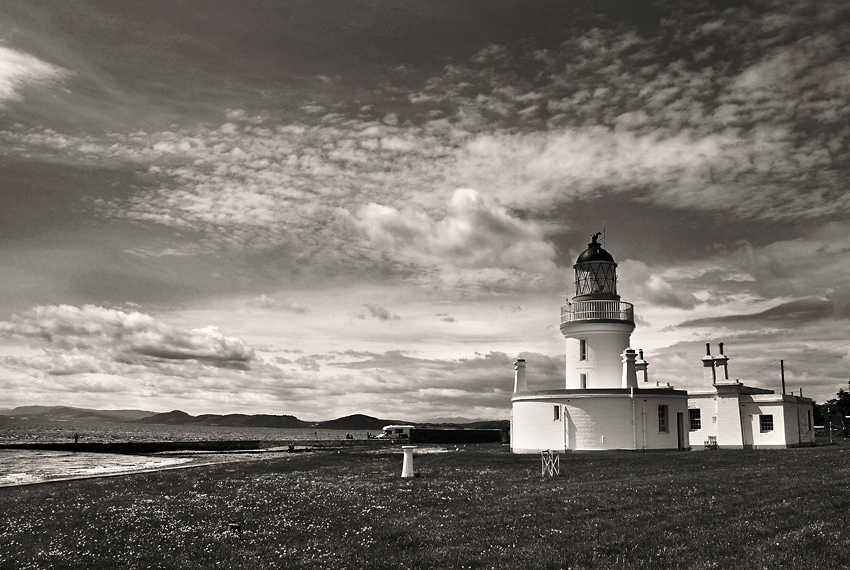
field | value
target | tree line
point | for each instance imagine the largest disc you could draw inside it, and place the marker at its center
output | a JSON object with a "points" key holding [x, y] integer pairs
{"points": [[835, 411]]}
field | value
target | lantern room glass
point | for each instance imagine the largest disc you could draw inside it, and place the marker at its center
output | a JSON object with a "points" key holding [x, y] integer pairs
{"points": [[595, 278]]}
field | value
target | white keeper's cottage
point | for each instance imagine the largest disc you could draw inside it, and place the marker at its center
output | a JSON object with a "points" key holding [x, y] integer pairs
{"points": [[728, 414], [607, 401]]}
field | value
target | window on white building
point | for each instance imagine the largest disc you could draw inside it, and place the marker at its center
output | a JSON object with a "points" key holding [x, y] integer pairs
{"points": [[556, 413], [662, 419], [766, 422], [583, 381], [582, 349], [696, 419]]}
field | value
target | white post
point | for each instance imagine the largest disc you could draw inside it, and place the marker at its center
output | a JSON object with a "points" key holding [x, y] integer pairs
{"points": [[407, 467]]}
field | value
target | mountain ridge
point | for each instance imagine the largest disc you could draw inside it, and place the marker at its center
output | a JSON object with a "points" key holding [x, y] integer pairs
{"points": [[72, 413], [359, 422]]}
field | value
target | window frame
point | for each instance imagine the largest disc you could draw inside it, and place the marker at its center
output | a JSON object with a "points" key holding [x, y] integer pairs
{"points": [[663, 419], [695, 419], [766, 423], [582, 349]]}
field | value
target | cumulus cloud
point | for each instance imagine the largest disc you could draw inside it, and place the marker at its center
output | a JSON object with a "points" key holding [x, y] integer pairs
{"points": [[266, 302], [654, 288], [379, 312], [474, 233], [724, 125], [814, 266], [483, 379], [124, 337], [715, 112]]}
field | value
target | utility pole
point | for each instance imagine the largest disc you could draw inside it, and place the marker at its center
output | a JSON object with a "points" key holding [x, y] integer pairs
{"points": [[829, 415]]}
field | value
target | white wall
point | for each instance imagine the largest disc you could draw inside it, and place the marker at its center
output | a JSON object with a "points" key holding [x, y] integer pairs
{"points": [[753, 436], [533, 427], [590, 422], [730, 422], [605, 343], [707, 405], [805, 416], [738, 424]]}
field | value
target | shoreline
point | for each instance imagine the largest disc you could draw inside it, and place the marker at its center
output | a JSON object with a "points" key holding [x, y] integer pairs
{"points": [[197, 459], [149, 447]]}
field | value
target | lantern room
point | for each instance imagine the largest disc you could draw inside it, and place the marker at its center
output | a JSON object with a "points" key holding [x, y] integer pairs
{"points": [[596, 273]]}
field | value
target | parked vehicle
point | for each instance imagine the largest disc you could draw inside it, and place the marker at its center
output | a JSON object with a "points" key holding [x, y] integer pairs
{"points": [[395, 432]]}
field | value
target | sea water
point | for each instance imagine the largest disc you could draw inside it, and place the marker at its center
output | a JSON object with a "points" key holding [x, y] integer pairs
{"points": [[22, 467], [18, 467]]}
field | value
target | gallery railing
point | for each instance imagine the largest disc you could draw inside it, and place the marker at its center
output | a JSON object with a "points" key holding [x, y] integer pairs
{"points": [[598, 310]]}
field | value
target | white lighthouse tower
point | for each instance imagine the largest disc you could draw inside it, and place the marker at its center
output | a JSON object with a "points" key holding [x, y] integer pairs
{"points": [[596, 324], [603, 406]]}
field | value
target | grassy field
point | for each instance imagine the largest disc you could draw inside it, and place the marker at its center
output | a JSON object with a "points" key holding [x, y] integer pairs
{"points": [[477, 507]]}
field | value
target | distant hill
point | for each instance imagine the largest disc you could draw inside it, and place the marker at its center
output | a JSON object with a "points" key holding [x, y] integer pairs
{"points": [[490, 424], [470, 424], [178, 417], [65, 413], [357, 422], [173, 417], [453, 420]]}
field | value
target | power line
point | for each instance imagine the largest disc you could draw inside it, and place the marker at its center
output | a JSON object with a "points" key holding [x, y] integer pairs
{"points": [[830, 348], [762, 370], [804, 354]]}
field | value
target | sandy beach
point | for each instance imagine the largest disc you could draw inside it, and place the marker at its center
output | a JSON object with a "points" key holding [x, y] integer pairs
{"points": [[31, 467]]}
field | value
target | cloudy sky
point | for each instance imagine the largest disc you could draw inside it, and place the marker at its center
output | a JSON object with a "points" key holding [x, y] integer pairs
{"points": [[336, 207]]}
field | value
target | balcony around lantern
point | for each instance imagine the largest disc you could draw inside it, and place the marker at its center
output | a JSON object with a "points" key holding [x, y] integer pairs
{"points": [[598, 311]]}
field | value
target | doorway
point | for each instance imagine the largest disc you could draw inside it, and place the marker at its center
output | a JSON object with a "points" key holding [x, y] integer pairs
{"points": [[680, 430]]}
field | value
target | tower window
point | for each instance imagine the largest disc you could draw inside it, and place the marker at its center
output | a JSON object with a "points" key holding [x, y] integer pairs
{"points": [[662, 419], [583, 381], [695, 417], [582, 349], [766, 422], [556, 413]]}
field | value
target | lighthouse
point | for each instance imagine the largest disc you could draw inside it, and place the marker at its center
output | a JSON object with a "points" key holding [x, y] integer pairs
{"points": [[607, 401], [597, 325]]}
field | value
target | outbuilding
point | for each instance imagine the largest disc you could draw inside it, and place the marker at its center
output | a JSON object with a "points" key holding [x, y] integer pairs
{"points": [[725, 413]]}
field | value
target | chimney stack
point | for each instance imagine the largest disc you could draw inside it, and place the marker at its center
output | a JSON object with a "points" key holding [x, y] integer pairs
{"points": [[709, 375], [640, 367], [520, 383], [629, 373], [720, 363]]}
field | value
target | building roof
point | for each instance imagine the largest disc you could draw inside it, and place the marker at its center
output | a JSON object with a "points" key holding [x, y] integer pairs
{"points": [[594, 252]]}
